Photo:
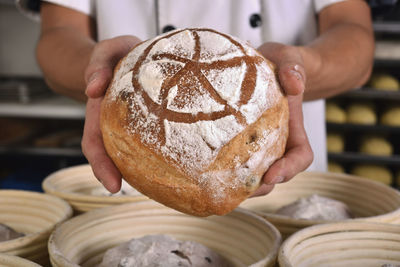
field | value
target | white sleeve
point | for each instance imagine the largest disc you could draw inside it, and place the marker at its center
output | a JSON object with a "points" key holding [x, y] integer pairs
{"points": [[321, 4], [84, 6]]}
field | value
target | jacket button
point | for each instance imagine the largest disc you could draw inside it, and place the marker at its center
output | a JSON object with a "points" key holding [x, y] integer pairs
{"points": [[168, 28], [255, 20]]}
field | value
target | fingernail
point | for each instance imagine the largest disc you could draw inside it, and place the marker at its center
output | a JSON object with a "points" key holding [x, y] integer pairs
{"points": [[92, 78], [277, 180], [299, 77], [296, 74]]}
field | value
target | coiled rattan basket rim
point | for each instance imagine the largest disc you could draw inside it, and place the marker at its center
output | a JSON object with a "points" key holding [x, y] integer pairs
{"points": [[49, 187], [58, 259], [28, 238], [328, 228], [306, 222], [15, 261]]}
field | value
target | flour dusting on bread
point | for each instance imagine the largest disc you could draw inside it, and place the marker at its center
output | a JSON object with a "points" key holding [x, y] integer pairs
{"points": [[192, 93]]}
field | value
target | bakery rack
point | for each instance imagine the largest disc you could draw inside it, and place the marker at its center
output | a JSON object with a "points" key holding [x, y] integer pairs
{"points": [[352, 132]]}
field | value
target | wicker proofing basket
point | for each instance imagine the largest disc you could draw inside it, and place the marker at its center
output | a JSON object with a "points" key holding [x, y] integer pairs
{"points": [[358, 244], [75, 184], [241, 237], [35, 215], [359, 194], [14, 261]]}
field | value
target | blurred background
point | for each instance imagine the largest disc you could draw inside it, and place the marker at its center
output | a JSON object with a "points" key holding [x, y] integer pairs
{"points": [[40, 132]]}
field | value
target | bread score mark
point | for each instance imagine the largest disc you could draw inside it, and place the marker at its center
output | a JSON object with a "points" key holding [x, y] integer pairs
{"points": [[193, 66]]}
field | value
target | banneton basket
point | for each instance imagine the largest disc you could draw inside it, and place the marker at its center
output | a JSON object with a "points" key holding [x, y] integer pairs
{"points": [[14, 261], [76, 184], [35, 215], [359, 244], [241, 237], [368, 200]]}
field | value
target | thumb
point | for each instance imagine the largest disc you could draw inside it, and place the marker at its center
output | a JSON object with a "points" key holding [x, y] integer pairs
{"points": [[104, 58], [290, 67]]}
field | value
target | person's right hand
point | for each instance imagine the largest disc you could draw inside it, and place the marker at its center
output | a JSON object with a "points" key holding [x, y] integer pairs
{"points": [[105, 56]]}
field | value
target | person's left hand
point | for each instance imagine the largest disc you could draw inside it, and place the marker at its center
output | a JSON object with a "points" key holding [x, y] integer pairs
{"points": [[292, 77]]}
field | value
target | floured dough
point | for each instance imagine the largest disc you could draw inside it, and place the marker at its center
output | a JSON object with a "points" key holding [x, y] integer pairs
{"points": [[391, 116], [316, 207], [374, 172], [7, 233], [161, 251], [126, 190], [376, 145], [335, 142], [334, 113], [361, 113]]}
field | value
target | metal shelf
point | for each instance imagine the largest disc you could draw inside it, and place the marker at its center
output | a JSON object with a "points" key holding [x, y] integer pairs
{"points": [[55, 107], [354, 157], [386, 63], [387, 27], [371, 93], [362, 128], [35, 151]]}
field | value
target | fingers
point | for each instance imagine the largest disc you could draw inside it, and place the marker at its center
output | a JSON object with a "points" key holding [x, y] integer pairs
{"points": [[264, 189], [292, 77], [295, 160], [98, 82], [298, 155], [93, 149], [289, 62], [104, 58], [98, 75]]}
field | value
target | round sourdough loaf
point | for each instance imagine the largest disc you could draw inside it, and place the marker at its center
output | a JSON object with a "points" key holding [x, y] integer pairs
{"points": [[193, 119]]}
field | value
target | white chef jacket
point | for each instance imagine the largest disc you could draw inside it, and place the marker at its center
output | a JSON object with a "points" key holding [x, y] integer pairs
{"points": [[292, 22]]}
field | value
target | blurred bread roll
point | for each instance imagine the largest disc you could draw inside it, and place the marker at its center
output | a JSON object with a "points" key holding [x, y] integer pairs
{"points": [[334, 113], [383, 81], [374, 172], [335, 142], [376, 145], [391, 117], [361, 113], [193, 119], [335, 167]]}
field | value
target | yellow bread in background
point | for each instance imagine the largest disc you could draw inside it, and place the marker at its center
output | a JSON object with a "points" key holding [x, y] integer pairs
{"points": [[391, 116], [385, 82], [361, 113], [335, 142], [376, 145], [334, 113], [335, 167], [373, 172]]}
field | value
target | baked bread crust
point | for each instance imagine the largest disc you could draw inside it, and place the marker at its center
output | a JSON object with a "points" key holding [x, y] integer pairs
{"points": [[193, 119]]}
